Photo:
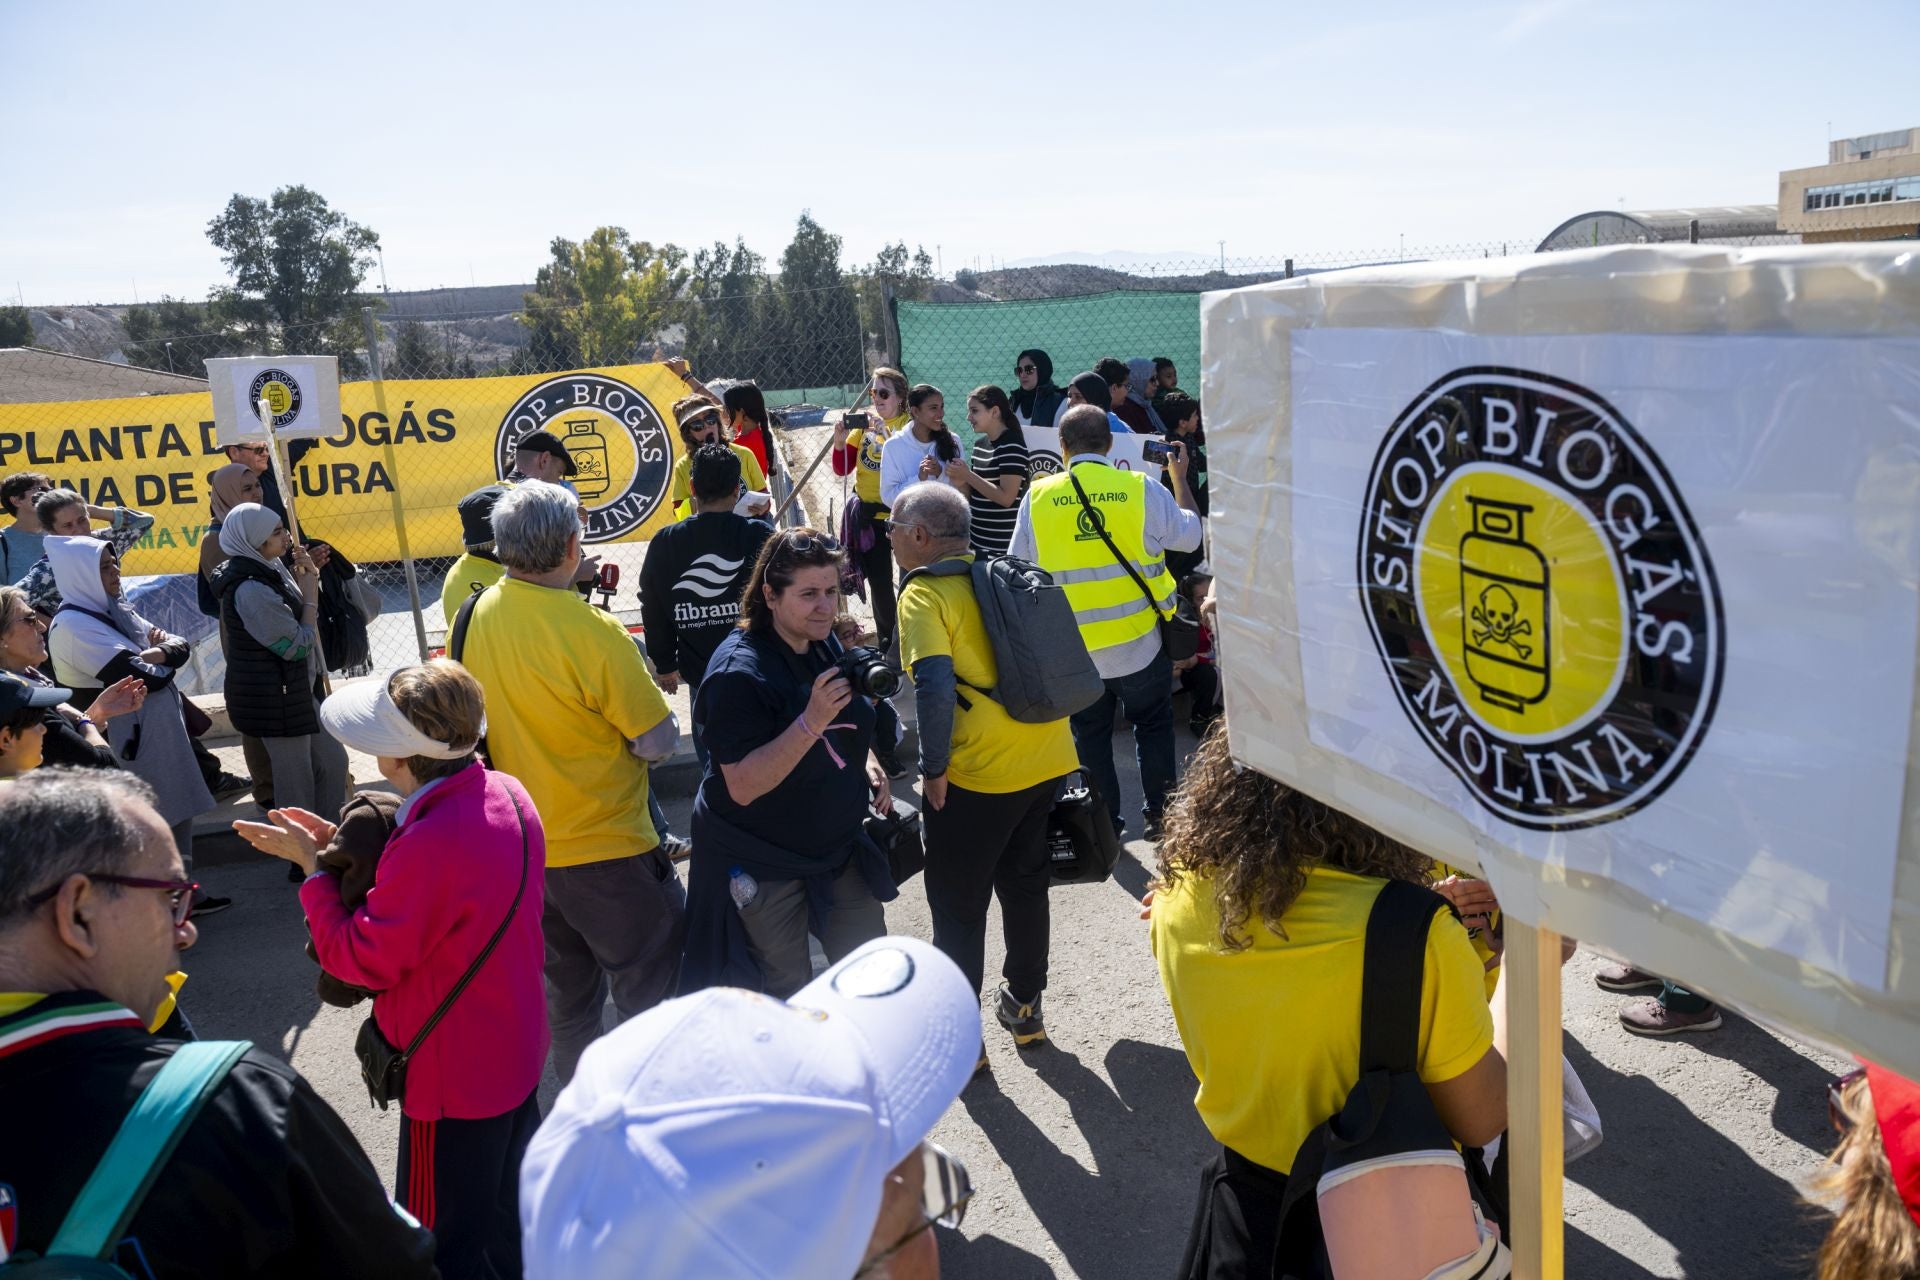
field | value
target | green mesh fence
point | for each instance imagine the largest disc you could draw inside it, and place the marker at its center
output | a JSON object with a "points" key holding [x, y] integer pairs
{"points": [[958, 346]]}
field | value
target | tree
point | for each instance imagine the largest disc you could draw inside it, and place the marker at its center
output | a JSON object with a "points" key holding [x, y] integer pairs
{"points": [[416, 354], [16, 329], [732, 317], [819, 312], [909, 274], [297, 265], [181, 336], [603, 300]]}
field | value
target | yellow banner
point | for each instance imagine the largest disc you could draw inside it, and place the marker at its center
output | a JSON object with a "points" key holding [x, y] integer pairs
{"points": [[428, 442]]}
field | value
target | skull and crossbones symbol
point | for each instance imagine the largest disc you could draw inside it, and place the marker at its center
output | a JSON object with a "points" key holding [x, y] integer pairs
{"points": [[1498, 612]]}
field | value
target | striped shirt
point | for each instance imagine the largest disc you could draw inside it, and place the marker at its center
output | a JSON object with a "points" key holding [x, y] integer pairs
{"points": [[993, 523]]}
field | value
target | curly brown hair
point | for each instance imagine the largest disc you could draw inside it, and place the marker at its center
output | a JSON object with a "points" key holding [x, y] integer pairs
{"points": [[1873, 1237], [1256, 839]]}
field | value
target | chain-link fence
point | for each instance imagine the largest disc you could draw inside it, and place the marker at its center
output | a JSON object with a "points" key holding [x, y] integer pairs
{"points": [[438, 386]]}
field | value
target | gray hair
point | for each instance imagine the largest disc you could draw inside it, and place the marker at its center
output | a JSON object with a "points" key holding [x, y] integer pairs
{"points": [[531, 525], [1085, 429], [63, 822], [935, 506]]}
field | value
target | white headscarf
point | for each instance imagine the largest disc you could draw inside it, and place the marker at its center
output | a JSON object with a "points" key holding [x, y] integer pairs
{"points": [[244, 529], [81, 645]]}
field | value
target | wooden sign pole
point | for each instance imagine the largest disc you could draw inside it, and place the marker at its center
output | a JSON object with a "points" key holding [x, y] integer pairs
{"points": [[1536, 1145]]}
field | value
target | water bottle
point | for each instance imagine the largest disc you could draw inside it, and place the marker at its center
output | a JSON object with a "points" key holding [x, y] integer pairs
{"points": [[742, 886]]}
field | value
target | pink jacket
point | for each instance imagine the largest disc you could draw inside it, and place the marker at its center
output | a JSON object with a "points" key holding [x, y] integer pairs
{"points": [[442, 887]]}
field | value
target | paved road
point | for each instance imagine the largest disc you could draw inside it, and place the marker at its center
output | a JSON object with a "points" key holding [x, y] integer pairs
{"points": [[1085, 1153]]}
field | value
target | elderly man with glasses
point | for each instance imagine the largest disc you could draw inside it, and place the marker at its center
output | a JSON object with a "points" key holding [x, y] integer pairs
{"points": [[94, 905]]}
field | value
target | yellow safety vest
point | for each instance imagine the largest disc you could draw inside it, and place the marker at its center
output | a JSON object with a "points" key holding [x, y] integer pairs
{"points": [[1111, 610]]}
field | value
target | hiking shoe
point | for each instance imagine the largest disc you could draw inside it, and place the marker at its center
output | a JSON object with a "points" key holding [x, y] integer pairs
{"points": [[983, 1064], [228, 785], [890, 762], [1614, 976], [675, 849], [1150, 828], [1648, 1017], [1021, 1019], [210, 905]]}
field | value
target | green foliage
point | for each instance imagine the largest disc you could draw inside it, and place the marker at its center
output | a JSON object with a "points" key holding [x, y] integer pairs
{"points": [[603, 300], [733, 320], [909, 274], [181, 337], [820, 313], [418, 354], [297, 265], [16, 329]]}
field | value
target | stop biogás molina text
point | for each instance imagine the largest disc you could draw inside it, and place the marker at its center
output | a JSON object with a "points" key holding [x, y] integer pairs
{"points": [[1544, 606]]}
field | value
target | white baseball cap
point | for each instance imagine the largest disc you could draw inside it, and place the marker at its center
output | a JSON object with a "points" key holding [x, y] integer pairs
{"points": [[729, 1135]]}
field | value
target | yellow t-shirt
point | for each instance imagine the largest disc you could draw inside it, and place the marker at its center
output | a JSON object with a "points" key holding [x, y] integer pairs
{"points": [[752, 478], [1273, 1032], [566, 688], [470, 573], [992, 752], [866, 451]]}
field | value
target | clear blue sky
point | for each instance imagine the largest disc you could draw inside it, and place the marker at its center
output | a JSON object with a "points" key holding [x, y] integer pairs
{"points": [[469, 135]]}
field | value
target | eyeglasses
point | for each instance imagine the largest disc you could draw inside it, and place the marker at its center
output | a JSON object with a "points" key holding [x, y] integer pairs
{"points": [[1836, 1099], [28, 616], [179, 892], [944, 1194], [251, 448], [1025, 368]]}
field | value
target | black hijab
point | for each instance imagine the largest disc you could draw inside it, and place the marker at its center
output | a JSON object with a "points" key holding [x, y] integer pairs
{"points": [[1094, 390], [1043, 388]]}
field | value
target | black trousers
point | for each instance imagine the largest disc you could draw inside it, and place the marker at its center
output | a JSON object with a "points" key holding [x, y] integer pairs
{"points": [[980, 846], [877, 566], [461, 1179], [1202, 680]]}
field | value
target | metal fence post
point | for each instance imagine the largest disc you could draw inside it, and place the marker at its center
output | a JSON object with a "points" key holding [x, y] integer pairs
{"points": [[1693, 231], [891, 325], [1289, 268], [393, 469]]}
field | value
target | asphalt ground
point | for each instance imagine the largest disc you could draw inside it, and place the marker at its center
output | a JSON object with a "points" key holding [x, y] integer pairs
{"points": [[1085, 1153]]}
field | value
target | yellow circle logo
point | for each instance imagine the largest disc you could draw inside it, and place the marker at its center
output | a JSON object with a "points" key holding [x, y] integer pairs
{"points": [[1545, 609], [1522, 602], [621, 450], [280, 390]]}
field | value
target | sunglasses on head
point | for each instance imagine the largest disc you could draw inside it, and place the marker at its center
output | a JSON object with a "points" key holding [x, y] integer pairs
{"points": [[807, 543]]}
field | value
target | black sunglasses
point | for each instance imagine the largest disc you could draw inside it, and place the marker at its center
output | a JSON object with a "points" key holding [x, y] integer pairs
{"points": [[1025, 368]]}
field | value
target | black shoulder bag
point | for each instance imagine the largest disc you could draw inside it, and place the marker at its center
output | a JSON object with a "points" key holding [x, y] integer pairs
{"points": [[1178, 633], [384, 1067]]}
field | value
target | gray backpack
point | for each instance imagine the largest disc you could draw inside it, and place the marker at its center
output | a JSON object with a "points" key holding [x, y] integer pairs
{"points": [[1046, 673]]}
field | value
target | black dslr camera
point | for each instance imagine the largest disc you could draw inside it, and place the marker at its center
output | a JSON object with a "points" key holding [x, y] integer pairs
{"points": [[866, 669]]}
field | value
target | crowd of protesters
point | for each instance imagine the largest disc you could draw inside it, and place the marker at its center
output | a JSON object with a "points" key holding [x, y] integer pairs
{"points": [[744, 1115]]}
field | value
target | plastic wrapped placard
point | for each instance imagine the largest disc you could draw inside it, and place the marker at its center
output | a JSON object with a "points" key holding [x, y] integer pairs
{"points": [[1600, 571]]}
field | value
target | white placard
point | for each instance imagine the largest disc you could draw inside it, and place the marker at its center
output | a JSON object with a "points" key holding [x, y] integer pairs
{"points": [[1637, 606], [1043, 451], [303, 393]]}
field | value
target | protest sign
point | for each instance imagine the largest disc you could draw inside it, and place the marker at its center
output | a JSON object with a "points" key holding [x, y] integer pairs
{"points": [[1598, 571], [302, 393], [1043, 451], [431, 440]]}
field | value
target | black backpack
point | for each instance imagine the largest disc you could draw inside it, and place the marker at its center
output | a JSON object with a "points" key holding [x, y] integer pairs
{"points": [[1388, 1113]]}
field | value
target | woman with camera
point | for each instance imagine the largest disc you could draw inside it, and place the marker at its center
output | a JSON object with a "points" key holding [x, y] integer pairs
{"points": [[779, 849], [859, 440], [271, 622]]}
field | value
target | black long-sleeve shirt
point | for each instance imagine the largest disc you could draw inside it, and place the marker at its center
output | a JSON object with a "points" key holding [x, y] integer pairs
{"points": [[690, 587]]}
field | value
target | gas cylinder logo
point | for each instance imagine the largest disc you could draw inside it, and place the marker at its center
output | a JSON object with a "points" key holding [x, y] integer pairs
{"points": [[1546, 609], [622, 453]]}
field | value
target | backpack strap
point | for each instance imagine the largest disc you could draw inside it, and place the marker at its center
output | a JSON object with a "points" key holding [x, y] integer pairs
{"points": [[952, 567], [1394, 971], [1396, 959], [457, 637], [144, 1142], [1099, 524]]}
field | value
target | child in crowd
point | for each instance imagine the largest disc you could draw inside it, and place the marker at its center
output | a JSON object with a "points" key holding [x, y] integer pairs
{"points": [[1200, 674]]}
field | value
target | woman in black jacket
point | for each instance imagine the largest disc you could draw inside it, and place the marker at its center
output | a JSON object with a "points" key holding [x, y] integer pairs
{"points": [[271, 621], [73, 736]]}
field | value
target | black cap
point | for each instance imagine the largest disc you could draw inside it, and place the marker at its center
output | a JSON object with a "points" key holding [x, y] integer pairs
{"points": [[16, 694], [547, 442], [476, 516]]}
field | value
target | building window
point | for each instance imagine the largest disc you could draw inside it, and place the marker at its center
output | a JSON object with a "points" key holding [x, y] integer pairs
{"points": [[1846, 194]]}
